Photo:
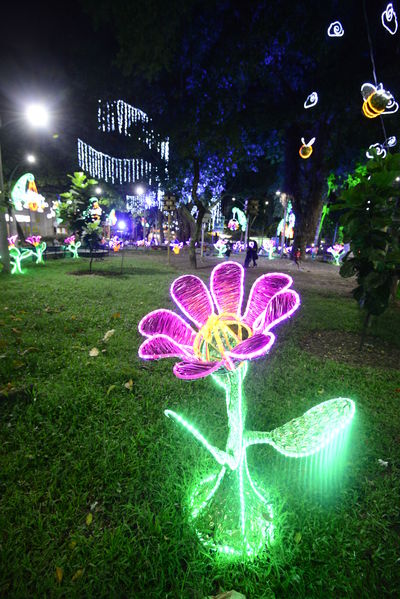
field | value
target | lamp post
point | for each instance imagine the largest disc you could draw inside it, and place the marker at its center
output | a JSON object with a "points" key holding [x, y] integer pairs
{"points": [[206, 221], [38, 117], [285, 202], [252, 210], [169, 204]]}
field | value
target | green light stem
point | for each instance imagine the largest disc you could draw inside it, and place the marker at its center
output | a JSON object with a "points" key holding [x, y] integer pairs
{"points": [[220, 456], [236, 409]]}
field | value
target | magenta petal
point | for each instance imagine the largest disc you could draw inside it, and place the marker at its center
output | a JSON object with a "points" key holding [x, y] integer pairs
{"points": [[193, 298], [165, 322], [162, 346], [227, 287], [195, 370], [263, 289], [280, 307], [253, 347]]}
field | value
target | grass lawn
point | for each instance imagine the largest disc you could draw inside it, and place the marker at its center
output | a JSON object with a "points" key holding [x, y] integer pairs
{"points": [[95, 479]]}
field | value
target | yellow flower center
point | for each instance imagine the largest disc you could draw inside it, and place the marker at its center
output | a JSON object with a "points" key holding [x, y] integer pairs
{"points": [[219, 335]]}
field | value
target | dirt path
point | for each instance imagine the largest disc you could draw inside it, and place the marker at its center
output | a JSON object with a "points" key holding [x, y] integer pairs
{"points": [[317, 276]]}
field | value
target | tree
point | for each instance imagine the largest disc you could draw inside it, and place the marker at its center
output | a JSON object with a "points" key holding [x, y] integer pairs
{"points": [[371, 218], [75, 206]]}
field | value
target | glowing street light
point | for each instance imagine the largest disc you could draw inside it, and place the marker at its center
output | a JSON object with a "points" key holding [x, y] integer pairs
{"points": [[31, 158], [37, 115], [139, 190], [98, 190]]}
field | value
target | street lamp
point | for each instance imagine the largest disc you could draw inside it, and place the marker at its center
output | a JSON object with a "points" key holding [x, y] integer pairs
{"points": [[139, 190], [98, 190], [37, 116], [31, 158], [252, 210]]}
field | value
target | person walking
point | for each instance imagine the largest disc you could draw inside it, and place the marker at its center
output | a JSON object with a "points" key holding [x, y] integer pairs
{"points": [[251, 254]]}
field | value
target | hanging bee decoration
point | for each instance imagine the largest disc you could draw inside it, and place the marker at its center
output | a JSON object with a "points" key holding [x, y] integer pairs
{"points": [[306, 149], [377, 101]]}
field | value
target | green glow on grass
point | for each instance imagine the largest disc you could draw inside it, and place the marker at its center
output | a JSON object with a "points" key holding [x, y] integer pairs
{"points": [[230, 514]]}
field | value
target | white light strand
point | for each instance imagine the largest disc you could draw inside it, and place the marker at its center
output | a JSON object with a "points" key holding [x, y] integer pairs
{"points": [[103, 166], [119, 116]]}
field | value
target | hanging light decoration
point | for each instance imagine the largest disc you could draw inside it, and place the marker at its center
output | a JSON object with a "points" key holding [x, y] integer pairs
{"points": [[306, 149], [377, 101]]}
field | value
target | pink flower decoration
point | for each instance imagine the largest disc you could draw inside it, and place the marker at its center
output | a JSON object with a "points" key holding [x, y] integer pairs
{"points": [[223, 337], [34, 239], [12, 240], [69, 240]]}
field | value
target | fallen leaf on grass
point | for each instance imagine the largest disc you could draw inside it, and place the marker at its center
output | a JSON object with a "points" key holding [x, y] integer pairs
{"points": [[129, 385], [109, 334], [73, 317], [16, 331], [77, 574], [297, 537], [110, 388], [59, 574], [383, 463], [72, 545], [29, 349], [116, 315], [89, 519], [229, 595], [94, 352]]}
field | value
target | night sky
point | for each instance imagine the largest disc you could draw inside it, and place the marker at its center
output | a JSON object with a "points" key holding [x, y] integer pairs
{"points": [[57, 56]]}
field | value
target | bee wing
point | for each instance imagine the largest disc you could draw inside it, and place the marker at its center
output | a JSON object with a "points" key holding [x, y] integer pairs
{"points": [[312, 140], [367, 89]]}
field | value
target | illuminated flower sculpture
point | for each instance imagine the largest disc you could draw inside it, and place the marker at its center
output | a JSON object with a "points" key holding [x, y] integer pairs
{"points": [[221, 345], [17, 255], [72, 246], [337, 252], [221, 248], [115, 243], [39, 247]]}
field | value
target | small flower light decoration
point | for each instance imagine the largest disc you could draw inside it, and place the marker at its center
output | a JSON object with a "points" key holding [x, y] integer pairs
{"points": [[17, 255], [115, 243], [176, 246], [39, 246], [337, 252], [233, 224], [221, 248], [72, 246], [269, 247], [221, 345]]}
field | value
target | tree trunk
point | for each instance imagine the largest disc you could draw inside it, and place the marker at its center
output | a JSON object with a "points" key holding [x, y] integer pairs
{"points": [[160, 225], [201, 209], [304, 182]]}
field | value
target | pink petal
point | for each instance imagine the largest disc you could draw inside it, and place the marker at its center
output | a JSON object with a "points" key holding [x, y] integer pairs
{"points": [[280, 307], [227, 287], [195, 370], [253, 347], [193, 298], [263, 289], [165, 322], [162, 346]]}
